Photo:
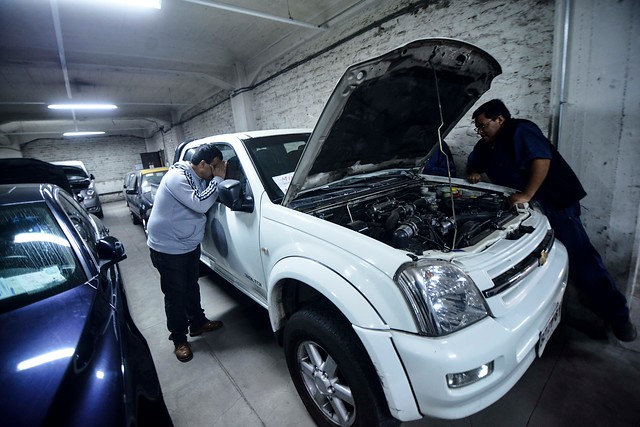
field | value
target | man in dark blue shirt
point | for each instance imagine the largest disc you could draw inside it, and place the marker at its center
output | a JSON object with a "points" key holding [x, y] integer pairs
{"points": [[440, 162], [515, 153]]}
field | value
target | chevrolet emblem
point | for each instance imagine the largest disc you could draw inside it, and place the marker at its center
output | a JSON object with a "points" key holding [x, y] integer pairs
{"points": [[542, 259]]}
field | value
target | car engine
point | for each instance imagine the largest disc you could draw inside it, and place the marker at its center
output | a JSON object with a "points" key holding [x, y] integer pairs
{"points": [[422, 217]]}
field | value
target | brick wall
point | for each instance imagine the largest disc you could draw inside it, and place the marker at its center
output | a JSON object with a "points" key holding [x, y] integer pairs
{"points": [[108, 159], [518, 34]]}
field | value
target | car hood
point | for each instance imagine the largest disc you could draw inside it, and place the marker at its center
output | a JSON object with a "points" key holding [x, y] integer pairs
{"points": [[42, 352], [391, 111]]}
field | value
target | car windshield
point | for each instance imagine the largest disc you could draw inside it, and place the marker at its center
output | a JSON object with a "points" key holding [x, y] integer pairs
{"points": [[151, 180], [36, 258], [74, 174], [276, 158]]}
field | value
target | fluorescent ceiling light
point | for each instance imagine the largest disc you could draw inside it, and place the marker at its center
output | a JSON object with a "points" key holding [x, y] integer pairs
{"points": [[152, 4], [82, 107], [82, 133]]}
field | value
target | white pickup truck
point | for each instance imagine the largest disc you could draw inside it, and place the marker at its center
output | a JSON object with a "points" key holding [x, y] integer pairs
{"points": [[396, 295]]}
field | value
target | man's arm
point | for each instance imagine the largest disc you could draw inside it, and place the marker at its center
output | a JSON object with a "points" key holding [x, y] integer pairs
{"points": [[473, 176], [538, 170], [189, 195]]}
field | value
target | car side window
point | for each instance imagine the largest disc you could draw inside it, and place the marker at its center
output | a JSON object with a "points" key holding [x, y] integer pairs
{"points": [[189, 154], [234, 168], [131, 179], [80, 219], [135, 182]]}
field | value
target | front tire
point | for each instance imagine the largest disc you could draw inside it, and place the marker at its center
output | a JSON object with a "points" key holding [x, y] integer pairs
{"points": [[134, 219], [332, 372]]}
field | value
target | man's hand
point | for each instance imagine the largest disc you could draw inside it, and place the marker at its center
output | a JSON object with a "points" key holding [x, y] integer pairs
{"points": [[220, 169], [474, 177], [517, 198]]}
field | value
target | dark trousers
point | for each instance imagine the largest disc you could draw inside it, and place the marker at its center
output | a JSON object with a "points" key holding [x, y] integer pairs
{"points": [[179, 283], [586, 269]]}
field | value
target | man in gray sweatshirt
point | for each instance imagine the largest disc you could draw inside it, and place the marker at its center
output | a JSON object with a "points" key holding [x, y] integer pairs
{"points": [[175, 230]]}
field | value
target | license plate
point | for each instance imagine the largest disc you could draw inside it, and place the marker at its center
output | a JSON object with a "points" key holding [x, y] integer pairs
{"points": [[551, 326]]}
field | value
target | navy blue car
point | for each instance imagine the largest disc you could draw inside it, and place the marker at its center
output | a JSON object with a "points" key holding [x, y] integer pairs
{"points": [[71, 353], [140, 191]]}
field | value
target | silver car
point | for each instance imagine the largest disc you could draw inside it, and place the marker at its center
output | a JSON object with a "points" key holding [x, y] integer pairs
{"points": [[82, 183]]}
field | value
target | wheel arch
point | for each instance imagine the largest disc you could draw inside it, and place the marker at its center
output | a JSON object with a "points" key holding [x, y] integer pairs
{"points": [[298, 282], [295, 281]]}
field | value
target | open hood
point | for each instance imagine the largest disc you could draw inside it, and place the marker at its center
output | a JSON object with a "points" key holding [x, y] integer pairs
{"points": [[390, 111]]}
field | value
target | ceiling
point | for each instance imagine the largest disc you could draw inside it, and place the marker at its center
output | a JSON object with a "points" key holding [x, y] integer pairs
{"points": [[153, 64]]}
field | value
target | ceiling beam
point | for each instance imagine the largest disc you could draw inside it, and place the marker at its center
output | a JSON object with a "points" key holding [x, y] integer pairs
{"points": [[255, 13], [214, 80]]}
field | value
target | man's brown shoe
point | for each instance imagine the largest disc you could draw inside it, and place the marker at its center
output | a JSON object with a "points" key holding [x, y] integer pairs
{"points": [[209, 326], [183, 352]]}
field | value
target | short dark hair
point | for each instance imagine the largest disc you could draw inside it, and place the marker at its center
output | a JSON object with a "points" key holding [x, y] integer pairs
{"points": [[206, 152], [492, 109]]}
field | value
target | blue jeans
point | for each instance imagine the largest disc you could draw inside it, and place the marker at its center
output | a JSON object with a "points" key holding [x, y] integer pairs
{"points": [[179, 283], [586, 269]]}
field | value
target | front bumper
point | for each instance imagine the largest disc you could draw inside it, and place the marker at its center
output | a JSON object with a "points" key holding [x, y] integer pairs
{"points": [[509, 341], [92, 205]]}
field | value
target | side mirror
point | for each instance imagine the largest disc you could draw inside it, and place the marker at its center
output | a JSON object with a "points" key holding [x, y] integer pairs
{"points": [[110, 252], [230, 195]]}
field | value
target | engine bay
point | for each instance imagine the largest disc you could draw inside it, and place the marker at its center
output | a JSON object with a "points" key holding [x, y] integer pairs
{"points": [[421, 217]]}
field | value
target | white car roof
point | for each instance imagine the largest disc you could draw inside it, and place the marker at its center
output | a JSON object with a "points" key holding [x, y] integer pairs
{"points": [[76, 163]]}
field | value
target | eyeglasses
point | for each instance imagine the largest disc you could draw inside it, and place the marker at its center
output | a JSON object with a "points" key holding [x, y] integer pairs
{"points": [[482, 126]]}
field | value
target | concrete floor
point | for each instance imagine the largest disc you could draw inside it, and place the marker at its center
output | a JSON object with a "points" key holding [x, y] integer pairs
{"points": [[238, 376]]}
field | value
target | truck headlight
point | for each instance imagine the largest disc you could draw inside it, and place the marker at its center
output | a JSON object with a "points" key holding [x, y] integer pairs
{"points": [[443, 298]]}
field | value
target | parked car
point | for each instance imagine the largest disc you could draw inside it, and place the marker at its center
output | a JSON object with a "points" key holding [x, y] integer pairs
{"points": [[396, 295], [28, 170], [71, 353], [141, 191], [83, 185]]}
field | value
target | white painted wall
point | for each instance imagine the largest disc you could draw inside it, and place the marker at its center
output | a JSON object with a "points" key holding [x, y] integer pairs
{"points": [[8, 150], [599, 132]]}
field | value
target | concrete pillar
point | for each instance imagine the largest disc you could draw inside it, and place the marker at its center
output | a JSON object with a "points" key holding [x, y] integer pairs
{"points": [[242, 103]]}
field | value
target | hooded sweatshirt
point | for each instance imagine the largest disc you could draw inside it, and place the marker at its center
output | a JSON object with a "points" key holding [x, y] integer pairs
{"points": [[178, 218]]}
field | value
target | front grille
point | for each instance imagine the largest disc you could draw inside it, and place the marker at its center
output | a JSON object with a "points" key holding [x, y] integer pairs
{"points": [[522, 269]]}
